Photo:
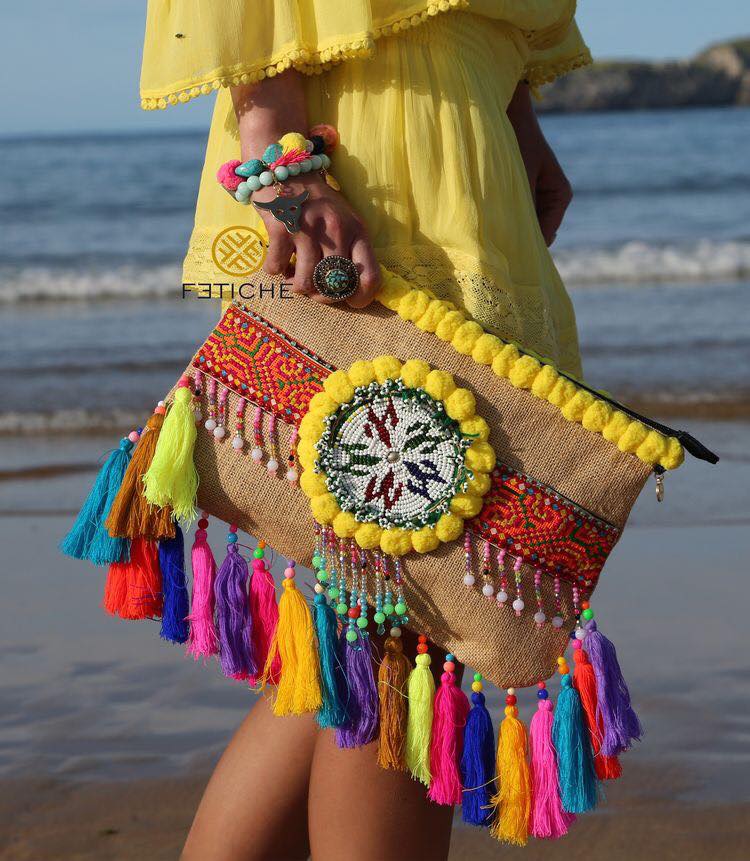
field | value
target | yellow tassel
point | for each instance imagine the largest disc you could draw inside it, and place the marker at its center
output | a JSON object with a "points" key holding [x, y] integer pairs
{"points": [[392, 676], [421, 688], [513, 798], [172, 478], [298, 691]]}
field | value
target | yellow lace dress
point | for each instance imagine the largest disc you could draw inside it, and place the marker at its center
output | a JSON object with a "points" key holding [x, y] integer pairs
{"points": [[418, 93]]}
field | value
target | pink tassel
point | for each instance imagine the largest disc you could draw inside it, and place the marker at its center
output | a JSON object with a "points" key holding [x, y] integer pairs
{"points": [[449, 718], [265, 614], [548, 819], [203, 640]]}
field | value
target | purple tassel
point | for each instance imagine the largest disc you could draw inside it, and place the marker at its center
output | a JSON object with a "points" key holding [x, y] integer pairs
{"points": [[620, 723], [233, 615], [361, 697]]}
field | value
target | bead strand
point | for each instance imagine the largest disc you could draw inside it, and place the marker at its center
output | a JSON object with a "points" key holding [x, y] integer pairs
{"points": [[469, 578], [273, 448], [557, 619], [379, 616], [197, 390], [211, 424], [292, 473], [400, 608], [502, 595], [518, 604], [220, 431], [257, 453], [488, 590], [238, 441], [540, 617]]}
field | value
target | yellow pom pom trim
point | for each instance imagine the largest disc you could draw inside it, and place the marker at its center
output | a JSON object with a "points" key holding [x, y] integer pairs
{"points": [[466, 337], [597, 416], [360, 374], [396, 542], [322, 404], [479, 484], [425, 540], [486, 348], [436, 310], [449, 527], [339, 387], [544, 382], [386, 368], [413, 305], [345, 524], [504, 360], [368, 536], [635, 434], [480, 457], [460, 404], [476, 427], [439, 384], [449, 325], [466, 505], [414, 373], [523, 372], [312, 483], [324, 508], [575, 408]]}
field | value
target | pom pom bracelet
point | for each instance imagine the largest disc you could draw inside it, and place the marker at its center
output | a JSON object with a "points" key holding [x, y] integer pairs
{"points": [[292, 155]]}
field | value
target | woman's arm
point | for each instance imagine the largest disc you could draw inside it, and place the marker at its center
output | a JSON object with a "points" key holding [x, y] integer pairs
{"points": [[549, 185], [329, 225]]}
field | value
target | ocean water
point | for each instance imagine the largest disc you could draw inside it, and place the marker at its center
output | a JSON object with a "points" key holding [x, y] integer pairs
{"points": [[655, 250]]}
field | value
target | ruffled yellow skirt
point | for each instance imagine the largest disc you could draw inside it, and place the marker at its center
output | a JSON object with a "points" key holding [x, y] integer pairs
{"points": [[430, 160]]}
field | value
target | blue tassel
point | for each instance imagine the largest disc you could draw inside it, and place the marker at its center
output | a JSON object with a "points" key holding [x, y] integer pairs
{"points": [[333, 711], [174, 621], [88, 539], [575, 760], [478, 764]]}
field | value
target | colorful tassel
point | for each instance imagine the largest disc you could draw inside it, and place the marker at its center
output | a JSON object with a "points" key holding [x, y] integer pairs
{"points": [[203, 641], [584, 681], [333, 688], [392, 678], [548, 819], [478, 760], [133, 589], [174, 621], [88, 538], [362, 696], [172, 478], [421, 688], [513, 797], [449, 719], [298, 691], [620, 723], [575, 763], [131, 515], [265, 615], [233, 613]]}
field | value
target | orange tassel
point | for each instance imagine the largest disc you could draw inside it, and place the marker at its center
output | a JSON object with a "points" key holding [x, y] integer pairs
{"points": [[144, 593], [131, 515], [392, 678], [584, 681]]}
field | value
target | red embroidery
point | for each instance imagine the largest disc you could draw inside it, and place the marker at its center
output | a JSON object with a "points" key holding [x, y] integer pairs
{"points": [[265, 366], [548, 531]]}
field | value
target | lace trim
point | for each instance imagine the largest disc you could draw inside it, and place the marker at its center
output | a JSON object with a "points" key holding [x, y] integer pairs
{"points": [[538, 74], [308, 62], [525, 371]]}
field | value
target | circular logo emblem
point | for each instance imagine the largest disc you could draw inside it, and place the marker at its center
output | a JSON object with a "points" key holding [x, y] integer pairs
{"points": [[239, 250], [393, 456]]}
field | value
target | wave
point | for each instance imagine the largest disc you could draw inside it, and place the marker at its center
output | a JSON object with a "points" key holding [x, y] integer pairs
{"points": [[705, 260]]}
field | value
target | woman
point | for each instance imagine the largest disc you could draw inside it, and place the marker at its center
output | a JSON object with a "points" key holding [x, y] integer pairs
{"points": [[447, 180]]}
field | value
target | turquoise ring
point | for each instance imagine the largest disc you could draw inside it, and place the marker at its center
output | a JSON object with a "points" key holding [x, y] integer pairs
{"points": [[336, 278]]}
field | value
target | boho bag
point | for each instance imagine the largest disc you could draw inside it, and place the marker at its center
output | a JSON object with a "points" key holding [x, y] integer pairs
{"points": [[434, 477]]}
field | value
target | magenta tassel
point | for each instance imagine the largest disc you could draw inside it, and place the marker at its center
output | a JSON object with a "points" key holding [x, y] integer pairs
{"points": [[265, 615], [548, 819], [202, 640], [449, 719]]}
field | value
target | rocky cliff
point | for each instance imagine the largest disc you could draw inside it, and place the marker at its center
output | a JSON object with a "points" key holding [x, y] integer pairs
{"points": [[720, 75]]}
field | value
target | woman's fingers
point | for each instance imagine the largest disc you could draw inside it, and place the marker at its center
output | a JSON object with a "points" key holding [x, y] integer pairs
{"points": [[363, 258], [280, 250], [553, 196], [307, 256]]}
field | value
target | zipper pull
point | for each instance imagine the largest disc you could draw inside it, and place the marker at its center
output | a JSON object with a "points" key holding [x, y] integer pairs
{"points": [[659, 476]]}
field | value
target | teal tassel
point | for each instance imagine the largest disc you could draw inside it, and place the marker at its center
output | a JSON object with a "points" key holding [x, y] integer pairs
{"points": [[575, 760], [88, 538], [333, 711]]}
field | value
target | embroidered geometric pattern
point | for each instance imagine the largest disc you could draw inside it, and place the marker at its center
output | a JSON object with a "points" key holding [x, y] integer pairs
{"points": [[392, 456], [259, 362], [546, 530]]}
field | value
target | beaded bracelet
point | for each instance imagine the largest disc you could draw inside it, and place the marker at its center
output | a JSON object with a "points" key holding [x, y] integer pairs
{"points": [[291, 156]]}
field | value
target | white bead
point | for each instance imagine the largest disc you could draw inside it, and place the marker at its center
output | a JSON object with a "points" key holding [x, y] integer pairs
{"points": [[518, 605], [469, 579], [257, 454], [540, 618], [557, 622], [238, 442], [292, 475], [511, 692], [160, 404], [502, 597], [580, 634], [253, 183], [319, 588], [272, 465], [220, 432], [210, 425], [395, 632], [198, 415], [487, 590], [266, 178]]}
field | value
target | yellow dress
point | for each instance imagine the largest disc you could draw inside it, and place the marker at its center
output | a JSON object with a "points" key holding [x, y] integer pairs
{"points": [[418, 93]]}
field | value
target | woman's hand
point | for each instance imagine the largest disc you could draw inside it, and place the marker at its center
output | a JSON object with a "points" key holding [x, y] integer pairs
{"points": [[549, 185], [328, 224]]}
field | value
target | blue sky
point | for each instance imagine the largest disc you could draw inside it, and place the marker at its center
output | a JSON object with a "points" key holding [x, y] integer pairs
{"points": [[73, 65]]}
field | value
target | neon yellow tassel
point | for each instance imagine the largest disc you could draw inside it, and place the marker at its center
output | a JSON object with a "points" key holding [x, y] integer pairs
{"points": [[298, 691], [513, 798], [421, 692], [172, 478]]}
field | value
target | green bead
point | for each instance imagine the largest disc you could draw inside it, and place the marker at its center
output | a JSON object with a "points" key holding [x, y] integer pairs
{"points": [[362, 622], [258, 553], [477, 677], [351, 635], [333, 592], [400, 608], [388, 609], [316, 561], [379, 617], [588, 613], [322, 575], [341, 609]]}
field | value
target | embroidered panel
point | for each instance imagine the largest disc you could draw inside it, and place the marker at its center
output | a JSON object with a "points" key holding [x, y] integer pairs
{"points": [[547, 530], [262, 364]]}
